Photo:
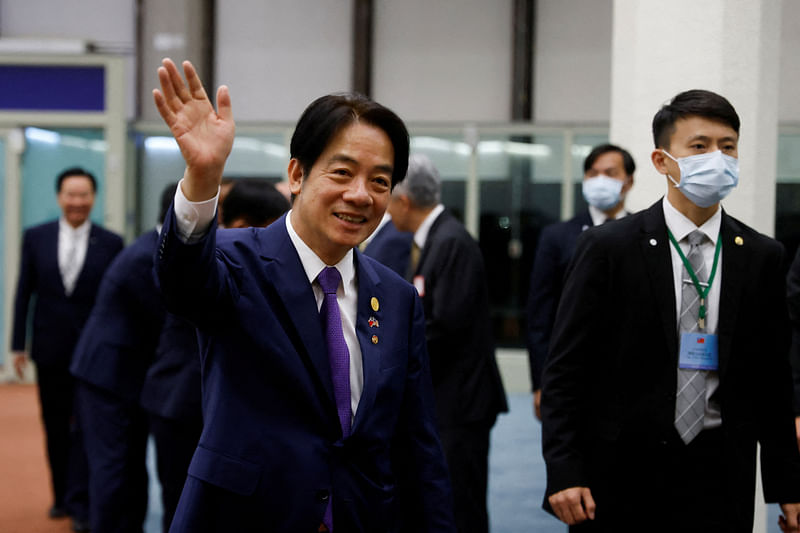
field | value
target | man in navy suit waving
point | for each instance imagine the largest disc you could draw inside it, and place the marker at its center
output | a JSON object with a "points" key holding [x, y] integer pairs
{"points": [[317, 400], [62, 263]]}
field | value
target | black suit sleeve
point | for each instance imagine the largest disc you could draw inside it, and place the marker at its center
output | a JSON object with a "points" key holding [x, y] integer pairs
{"points": [[793, 301], [543, 296], [569, 368]]}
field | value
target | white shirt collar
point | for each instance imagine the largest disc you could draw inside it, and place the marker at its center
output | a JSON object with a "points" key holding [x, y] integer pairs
{"points": [[80, 231], [421, 235], [311, 262], [680, 226], [598, 216]]}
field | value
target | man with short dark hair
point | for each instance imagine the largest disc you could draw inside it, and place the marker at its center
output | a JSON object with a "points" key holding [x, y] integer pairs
{"points": [[607, 178], [62, 263], [317, 403], [668, 363], [252, 203], [448, 273]]}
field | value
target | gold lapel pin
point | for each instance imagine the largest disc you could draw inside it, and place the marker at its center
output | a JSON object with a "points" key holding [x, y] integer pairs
{"points": [[374, 339], [738, 240], [374, 303]]}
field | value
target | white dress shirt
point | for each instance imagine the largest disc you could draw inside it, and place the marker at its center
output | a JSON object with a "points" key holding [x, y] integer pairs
{"points": [[194, 220], [421, 235], [681, 227], [598, 216], [72, 242]]}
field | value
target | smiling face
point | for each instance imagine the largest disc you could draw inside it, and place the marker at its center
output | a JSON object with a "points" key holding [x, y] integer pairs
{"points": [[342, 198], [76, 198]]}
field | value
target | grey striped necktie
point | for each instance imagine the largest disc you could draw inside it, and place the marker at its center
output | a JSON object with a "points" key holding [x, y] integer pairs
{"points": [[690, 401]]}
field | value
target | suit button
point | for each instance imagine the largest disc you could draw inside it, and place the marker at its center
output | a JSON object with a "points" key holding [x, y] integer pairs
{"points": [[323, 495]]}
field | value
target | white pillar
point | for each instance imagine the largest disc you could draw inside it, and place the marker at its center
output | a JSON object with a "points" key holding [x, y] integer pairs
{"points": [[727, 46]]}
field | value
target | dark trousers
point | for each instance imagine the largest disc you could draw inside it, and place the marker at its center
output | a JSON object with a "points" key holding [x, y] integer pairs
{"points": [[115, 439], [677, 487], [68, 469], [466, 449], [176, 441]]}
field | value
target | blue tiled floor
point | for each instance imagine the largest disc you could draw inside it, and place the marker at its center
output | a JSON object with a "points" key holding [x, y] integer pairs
{"points": [[516, 477]]}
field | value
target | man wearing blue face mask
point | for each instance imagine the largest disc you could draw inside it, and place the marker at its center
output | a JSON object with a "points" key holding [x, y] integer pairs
{"points": [[669, 363], [607, 178]]}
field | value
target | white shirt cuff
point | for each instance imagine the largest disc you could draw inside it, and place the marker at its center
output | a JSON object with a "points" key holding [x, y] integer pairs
{"points": [[194, 218]]}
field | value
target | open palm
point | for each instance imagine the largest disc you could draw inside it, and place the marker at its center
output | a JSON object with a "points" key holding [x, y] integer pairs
{"points": [[204, 135]]}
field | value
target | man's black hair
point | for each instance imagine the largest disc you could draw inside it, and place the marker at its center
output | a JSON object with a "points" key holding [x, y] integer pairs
{"points": [[328, 115], [697, 102], [257, 201], [597, 151], [75, 171]]}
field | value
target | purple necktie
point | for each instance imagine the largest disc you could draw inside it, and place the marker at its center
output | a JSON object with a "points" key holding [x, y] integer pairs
{"points": [[338, 356]]}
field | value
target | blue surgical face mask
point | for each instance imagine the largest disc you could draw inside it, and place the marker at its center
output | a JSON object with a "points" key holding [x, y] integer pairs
{"points": [[706, 178], [602, 192]]}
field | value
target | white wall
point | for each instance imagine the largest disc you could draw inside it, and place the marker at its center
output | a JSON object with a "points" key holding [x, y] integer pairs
{"points": [[572, 61], [789, 88], [278, 56], [439, 60]]}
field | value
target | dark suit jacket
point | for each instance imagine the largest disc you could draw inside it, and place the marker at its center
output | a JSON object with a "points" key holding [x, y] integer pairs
{"points": [[57, 318], [555, 249], [466, 380], [172, 385], [609, 383], [391, 247], [272, 453], [119, 339], [793, 299]]}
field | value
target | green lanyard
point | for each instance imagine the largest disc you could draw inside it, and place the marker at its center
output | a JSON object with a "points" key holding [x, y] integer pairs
{"points": [[701, 320]]}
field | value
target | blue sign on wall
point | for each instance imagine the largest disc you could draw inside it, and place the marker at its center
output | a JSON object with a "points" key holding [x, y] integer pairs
{"points": [[52, 88]]}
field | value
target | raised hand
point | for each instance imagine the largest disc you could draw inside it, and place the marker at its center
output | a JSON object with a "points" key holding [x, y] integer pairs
{"points": [[204, 135]]}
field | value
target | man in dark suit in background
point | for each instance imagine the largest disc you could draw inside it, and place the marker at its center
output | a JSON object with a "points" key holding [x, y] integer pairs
{"points": [[668, 362], [62, 263], [607, 178], [449, 276], [389, 246], [317, 403], [793, 299], [115, 349]]}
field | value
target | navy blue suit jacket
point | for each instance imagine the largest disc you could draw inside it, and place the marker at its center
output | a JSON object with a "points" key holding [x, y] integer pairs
{"points": [[172, 385], [271, 454], [391, 247], [555, 249], [119, 339], [57, 318]]}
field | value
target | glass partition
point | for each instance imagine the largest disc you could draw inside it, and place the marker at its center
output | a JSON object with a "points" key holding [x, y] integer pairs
{"points": [[527, 177], [787, 201]]}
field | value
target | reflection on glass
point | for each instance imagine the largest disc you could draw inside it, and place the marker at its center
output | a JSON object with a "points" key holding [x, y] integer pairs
{"points": [[787, 200]]}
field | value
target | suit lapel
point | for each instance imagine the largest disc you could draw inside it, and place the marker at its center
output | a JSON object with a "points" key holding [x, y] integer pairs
{"points": [[735, 259], [654, 245], [284, 269], [369, 287]]}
